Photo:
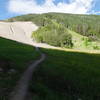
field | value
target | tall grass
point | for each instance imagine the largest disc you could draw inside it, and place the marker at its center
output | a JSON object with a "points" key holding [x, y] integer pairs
{"points": [[20, 56], [67, 76]]}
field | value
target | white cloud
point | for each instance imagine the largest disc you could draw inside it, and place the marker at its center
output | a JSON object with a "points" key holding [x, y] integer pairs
{"points": [[30, 6]]}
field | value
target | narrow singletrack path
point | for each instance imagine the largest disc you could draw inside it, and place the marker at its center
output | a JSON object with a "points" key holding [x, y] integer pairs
{"points": [[21, 88]]}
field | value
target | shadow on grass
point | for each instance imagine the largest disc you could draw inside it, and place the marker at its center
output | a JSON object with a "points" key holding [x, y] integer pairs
{"points": [[14, 59], [67, 76]]}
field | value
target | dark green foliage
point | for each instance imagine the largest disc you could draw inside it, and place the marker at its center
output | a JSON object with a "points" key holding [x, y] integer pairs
{"points": [[67, 76], [86, 41], [96, 48], [66, 41]]}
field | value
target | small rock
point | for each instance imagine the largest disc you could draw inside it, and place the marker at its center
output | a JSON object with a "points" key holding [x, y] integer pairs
{"points": [[12, 71], [1, 70], [79, 99]]}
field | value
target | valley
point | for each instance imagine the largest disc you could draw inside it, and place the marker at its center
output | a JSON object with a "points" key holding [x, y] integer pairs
{"points": [[65, 50]]}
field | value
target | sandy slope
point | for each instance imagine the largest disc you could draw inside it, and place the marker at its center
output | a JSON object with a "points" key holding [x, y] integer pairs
{"points": [[18, 31], [22, 31]]}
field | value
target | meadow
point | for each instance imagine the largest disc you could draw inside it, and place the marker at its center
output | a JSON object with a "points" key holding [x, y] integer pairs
{"points": [[67, 75], [14, 60]]}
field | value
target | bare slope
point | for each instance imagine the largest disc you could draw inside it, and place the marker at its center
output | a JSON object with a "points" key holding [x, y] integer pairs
{"points": [[18, 31], [22, 31]]}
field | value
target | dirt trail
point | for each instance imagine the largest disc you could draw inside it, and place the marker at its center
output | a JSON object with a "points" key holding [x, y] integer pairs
{"points": [[21, 32], [21, 89]]}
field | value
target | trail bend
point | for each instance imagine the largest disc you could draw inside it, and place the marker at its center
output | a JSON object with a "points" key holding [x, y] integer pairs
{"points": [[21, 88]]}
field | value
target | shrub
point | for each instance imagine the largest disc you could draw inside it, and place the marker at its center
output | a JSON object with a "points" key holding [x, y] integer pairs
{"points": [[54, 34], [96, 47], [66, 41]]}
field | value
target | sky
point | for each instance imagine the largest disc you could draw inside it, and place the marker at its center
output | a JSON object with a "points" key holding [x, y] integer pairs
{"points": [[11, 8]]}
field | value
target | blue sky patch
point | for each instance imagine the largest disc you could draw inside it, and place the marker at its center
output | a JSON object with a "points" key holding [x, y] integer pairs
{"points": [[66, 6]]}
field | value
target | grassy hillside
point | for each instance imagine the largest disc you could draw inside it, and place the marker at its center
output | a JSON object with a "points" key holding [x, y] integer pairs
{"points": [[54, 34], [14, 59], [82, 31], [87, 25], [83, 42], [67, 76]]}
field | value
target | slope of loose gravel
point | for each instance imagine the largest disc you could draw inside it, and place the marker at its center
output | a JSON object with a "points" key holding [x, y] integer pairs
{"points": [[18, 31], [22, 31]]}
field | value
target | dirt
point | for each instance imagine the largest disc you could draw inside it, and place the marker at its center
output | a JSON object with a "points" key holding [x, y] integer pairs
{"points": [[21, 89]]}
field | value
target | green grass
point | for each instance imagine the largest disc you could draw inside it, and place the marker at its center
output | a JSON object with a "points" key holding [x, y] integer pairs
{"points": [[20, 56], [83, 42], [67, 76]]}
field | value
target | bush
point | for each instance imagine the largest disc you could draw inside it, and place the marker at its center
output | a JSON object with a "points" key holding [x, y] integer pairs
{"points": [[66, 41], [86, 41], [96, 47], [54, 34]]}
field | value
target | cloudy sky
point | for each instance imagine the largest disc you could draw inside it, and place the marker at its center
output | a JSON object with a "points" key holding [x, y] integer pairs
{"points": [[10, 8]]}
